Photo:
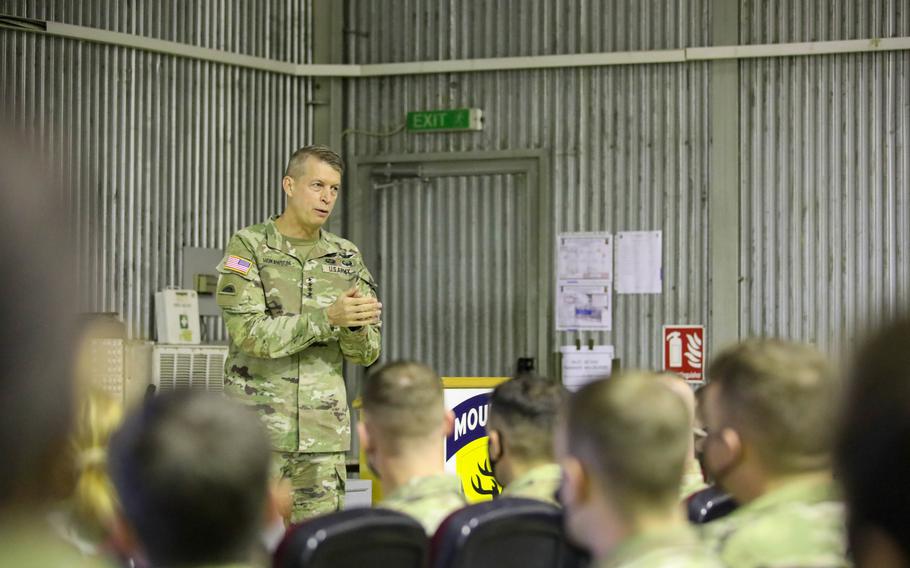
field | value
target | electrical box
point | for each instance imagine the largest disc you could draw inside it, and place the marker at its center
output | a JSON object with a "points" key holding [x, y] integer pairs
{"points": [[205, 283], [199, 273], [177, 316]]}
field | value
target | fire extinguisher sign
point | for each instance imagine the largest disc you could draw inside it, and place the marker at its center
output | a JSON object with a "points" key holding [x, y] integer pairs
{"points": [[684, 351]]}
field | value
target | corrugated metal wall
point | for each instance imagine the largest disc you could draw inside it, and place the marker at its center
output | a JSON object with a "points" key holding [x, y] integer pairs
{"points": [[273, 29], [628, 146], [784, 21], [159, 152], [825, 169], [455, 268], [163, 152], [384, 31]]}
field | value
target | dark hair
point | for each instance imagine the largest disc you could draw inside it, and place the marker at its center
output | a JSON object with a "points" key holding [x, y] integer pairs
{"points": [[36, 330], [873, 446], [192, 471], [295, 167], [782, 396], [634, 433], [526, 408]]}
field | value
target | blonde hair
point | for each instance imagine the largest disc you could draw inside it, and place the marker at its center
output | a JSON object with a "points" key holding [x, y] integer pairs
{"points": [[632, 430], [782, 396], [94, 499], [404, 399]]}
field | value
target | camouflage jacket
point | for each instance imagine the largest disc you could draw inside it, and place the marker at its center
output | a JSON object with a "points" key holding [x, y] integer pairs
{"points": [[428, 499], [285, 359], [799, 524], [538, 483], [673, 548]]}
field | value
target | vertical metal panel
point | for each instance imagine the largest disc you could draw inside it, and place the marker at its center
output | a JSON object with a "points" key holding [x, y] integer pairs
{"points": [[628, 145], [784, 21], [158, 152], [825, 175], [454, 251], [273, 29], [384, 31]]}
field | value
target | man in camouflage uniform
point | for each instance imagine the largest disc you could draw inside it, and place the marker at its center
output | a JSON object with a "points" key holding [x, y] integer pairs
{"points": [[298, 301], [403, 430], [520, 426], [622, 444], [769, 413]]}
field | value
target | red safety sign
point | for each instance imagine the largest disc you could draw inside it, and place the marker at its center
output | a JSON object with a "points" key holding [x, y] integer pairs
{"points": [[684, 351]]}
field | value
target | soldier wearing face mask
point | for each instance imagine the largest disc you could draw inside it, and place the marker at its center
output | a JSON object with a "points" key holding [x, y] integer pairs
{"points": [[768, 415]]}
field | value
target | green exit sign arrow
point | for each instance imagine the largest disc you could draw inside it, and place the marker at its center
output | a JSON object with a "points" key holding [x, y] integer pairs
{"points": [[445, 120]]}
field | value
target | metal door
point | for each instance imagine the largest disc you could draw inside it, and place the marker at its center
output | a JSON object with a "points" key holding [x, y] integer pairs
{"points": [[454, 256]]}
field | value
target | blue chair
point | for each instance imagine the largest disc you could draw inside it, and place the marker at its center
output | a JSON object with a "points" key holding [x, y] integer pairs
{"points": [[505, 533], [355, 538], [709, 504]]}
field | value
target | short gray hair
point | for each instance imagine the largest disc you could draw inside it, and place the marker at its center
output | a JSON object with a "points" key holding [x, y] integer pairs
{"points": [[295, 167]]}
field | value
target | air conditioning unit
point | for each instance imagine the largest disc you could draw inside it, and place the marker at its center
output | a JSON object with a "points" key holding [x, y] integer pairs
{"points": [[189, 367]]}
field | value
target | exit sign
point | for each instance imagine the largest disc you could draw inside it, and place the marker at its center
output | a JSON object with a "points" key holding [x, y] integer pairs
{"points": [[445, 120]]}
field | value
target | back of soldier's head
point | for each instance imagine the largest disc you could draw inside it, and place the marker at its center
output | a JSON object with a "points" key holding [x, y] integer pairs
{"points": [[403, 402], [873, 450], [681, 387], [36, 331], [191, 470], [633, 433], [524, 411], [781, 398]]}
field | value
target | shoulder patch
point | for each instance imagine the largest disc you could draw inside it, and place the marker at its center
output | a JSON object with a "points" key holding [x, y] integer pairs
{"points": [[238, 264]]}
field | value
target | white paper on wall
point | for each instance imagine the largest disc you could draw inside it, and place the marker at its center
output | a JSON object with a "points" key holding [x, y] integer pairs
{"points": [[639, 262], [582, 365]]}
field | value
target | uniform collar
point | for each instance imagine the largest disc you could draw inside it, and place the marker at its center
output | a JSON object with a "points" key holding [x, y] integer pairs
{"points": [[803, 491], [419, 487], [680, 537], [546, 473], [325, 246]]}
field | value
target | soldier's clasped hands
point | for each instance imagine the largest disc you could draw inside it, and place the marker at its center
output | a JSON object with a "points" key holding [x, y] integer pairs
{"points": [[351, 309]]}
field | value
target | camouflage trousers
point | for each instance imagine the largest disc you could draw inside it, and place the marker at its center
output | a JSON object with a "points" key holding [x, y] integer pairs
{"points": [[317, 481]]}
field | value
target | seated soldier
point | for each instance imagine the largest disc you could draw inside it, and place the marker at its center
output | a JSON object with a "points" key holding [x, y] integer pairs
{"points": [[622, 444], [192, 473], [769, 413], [403, 432], [693, 478], [873, 450], [520, 426]]}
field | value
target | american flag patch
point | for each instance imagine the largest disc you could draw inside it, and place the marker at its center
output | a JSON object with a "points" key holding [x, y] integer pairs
{"points": [[237, 264]]}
